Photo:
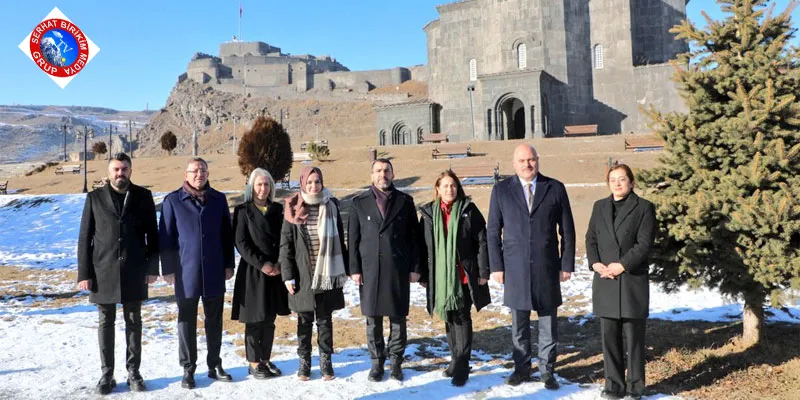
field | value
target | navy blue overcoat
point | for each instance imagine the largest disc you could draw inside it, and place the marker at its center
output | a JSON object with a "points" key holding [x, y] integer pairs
{"points": [[531, 248], [196, 243]]}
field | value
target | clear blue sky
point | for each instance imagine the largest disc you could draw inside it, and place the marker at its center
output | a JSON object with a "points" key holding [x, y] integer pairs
{"points": [[146, 44]]}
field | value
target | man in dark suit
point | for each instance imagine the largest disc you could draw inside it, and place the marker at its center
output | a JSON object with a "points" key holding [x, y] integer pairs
{"points": [[117, 259], [384, 258], [197, 257], [528, 213]]}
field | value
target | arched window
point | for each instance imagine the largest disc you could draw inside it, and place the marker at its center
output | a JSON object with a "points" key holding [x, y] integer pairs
{"points": [[522, 56], [382, 138], [473, 70], [598, 56], [420, 133]]}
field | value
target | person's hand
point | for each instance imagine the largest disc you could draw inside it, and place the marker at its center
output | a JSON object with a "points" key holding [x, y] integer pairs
{"points": [[615, 269], [228, 273], [276, 270], [565, 276], [424, 284], [268, 269], [170, 279], [85, 285], [482, 281], [357, 279], [289, 287], [499, 277], [151, 279], [413, 277], [602, 269]]}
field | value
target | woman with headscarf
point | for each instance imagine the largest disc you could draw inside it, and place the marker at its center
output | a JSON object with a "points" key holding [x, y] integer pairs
{"points": [[458, 267], [618, 243], [314, 267], [259, 294]]}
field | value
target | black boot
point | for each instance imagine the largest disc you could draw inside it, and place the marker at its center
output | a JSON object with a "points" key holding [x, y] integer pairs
{"points": [[106, 385], [304, 370], [219, 374], [376, 372], [326, 366], [136, 382], [273, 370], [259, 371], [188, 379], [397, 369]]}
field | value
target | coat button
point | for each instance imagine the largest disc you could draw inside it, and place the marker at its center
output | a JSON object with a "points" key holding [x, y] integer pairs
{"points": [[121, 258], [120, 240]]}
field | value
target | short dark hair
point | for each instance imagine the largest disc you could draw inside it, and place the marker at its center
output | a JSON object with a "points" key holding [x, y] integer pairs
{"points": [[383, 161], [121, 157], [621, 166]]}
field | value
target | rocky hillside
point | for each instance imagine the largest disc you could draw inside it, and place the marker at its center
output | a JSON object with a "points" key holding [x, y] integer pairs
{"points": [[192, 106], [33, 133]]}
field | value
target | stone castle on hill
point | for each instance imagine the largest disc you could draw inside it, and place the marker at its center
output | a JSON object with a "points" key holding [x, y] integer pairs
{"points": [[497, 70]]}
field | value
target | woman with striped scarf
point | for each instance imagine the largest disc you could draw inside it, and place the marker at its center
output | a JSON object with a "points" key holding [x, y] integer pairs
{"points": [[314, 267]]}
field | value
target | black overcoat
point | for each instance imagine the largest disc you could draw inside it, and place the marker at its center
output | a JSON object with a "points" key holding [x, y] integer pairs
{"points": [[628, 240], [471, 250], [295, 261], [116, 251], [384, 252], [526, 246], [257, 238]]}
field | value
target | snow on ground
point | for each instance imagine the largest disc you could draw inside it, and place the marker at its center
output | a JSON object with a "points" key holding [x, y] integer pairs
{"points": [[51, 352]]}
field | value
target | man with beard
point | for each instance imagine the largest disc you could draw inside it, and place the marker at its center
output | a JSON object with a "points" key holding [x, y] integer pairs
{"points": [[528, 214], [384, 258], [117, 259], [197, 258]]}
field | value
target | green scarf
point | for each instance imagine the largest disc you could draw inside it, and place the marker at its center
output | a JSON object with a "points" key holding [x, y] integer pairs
{"points": [[448, 295]]}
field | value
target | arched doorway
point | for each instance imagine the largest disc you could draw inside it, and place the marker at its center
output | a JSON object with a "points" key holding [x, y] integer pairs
{"points": [[401, 134], [510, 118]]}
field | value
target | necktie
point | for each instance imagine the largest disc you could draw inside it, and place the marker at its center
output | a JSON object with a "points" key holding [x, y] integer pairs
{"points": [[529, 187]]}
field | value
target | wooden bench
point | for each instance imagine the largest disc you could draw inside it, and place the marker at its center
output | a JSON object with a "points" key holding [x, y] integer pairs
{"points": [[75, 169], [477, 171], [451, 150], [4, 187], [644, 143], [434, 138], [304, 145], [99, 183], [580, 130], [301, 156]]}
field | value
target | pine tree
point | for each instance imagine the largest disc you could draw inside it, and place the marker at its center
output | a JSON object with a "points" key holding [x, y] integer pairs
{"points": [[728, 189]]}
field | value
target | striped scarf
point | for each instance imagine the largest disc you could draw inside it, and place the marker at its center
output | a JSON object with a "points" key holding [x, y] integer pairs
{"points": [[329, 271]]}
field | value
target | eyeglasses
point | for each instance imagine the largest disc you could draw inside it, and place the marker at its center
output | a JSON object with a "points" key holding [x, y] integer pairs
{"points": [[197, 171]]}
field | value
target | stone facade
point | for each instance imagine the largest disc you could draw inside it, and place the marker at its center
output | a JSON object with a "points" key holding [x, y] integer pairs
{"points": [[406, 123], [508, 69]]}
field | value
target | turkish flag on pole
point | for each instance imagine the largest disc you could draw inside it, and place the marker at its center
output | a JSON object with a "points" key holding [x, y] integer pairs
{"points": [[240, 9]]}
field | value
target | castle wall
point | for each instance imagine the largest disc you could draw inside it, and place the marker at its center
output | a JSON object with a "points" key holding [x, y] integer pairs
{"points": [[361, 79], [241, 48]]}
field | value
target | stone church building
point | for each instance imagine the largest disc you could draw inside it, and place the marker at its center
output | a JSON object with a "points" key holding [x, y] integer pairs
{"points": [[511, 69]]}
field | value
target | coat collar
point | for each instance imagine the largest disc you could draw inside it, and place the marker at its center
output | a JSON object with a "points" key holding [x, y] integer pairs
{"points": [[106, 196], [627, 207], [542, 187]]}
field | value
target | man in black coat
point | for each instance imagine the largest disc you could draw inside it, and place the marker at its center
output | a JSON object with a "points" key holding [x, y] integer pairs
{"points": [[384, 258], [117, 259], [528, 213]]}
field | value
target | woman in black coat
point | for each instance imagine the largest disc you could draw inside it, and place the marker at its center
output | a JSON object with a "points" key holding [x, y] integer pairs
{"points": [[314, 267], [259, 295], [457, 267], [618, 243]]}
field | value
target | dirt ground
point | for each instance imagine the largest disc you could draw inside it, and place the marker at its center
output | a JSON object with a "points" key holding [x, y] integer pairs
{"points": [[574, 161]]}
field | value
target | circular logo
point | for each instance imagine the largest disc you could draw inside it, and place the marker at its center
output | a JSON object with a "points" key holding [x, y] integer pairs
{"points": [[59, 47]]}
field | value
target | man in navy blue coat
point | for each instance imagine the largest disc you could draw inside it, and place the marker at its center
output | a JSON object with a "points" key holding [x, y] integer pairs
{"points": [[196, 243], [529, 216]]}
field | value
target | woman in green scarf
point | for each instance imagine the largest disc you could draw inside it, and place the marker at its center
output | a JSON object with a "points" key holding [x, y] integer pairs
{"points": [[458, 267]]}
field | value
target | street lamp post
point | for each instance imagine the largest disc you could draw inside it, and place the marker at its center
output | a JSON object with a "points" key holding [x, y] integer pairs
{"points": [[64, 129], [86, 156], [233, 149], [470, 89]]}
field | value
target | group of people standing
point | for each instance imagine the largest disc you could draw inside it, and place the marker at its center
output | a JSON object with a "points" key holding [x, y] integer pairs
{"points": [[294, 258]]}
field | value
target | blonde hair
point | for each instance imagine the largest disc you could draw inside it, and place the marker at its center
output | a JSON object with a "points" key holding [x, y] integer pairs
{"points": [[248, 189]]}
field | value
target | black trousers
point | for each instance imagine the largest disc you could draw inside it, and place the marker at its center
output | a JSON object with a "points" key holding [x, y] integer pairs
{"points": [[548, 340], [397, 338], [305, 322], [187, 331], [614, 359], [459, 335], [258, 338], [132, 312]]}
